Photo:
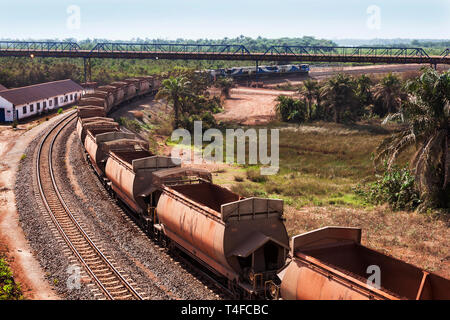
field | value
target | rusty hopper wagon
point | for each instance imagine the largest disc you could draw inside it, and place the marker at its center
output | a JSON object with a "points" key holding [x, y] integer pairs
{"points": [[90, 111], [134, 82], [93, 101], [119, 95], [243, 240], [331, 264], [130, 173], [108, 97], [145, 85], [129, 89], [99, 123], [99, 144]]}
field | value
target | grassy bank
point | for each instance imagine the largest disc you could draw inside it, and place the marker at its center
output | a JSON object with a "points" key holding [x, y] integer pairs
{"points": [[320, 164]]}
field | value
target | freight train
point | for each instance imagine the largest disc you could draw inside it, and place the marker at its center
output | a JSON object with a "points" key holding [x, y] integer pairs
{"points": [[242, 241], [261, 71]]}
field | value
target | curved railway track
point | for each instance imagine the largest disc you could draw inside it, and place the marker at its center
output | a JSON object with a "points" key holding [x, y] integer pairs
{"points": [[109, 280]]}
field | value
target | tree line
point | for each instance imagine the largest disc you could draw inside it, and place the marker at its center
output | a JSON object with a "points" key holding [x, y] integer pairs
{"points": [[343, 98]]}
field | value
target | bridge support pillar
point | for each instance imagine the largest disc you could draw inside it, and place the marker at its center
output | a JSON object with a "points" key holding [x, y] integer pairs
{"points": [[90, 70], [85, 71]]}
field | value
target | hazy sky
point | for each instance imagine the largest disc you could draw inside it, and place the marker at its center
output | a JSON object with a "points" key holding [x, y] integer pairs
{"points": [[193, 19]]}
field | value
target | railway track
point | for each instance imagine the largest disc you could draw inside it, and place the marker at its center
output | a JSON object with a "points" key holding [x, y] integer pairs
{"points": [[110, 281]]}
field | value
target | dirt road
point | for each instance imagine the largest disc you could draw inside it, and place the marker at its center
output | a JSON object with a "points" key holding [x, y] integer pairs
{"points": [[249, 106], [26, 269]]}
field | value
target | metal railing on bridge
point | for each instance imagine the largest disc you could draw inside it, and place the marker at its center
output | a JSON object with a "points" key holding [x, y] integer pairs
{"points": [[170, 47], [59, 46], [154, 50], [346, 51]]}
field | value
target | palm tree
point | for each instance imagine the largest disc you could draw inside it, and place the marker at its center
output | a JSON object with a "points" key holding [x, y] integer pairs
{"points": [[309, 90], [225, 85], [339, 94], [388, 93], [174, 90], [290, 109], [364, 84], [427, 114]]}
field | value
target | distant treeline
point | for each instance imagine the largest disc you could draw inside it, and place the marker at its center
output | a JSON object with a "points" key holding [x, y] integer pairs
{"points": [[17, 72], [258, 43]]}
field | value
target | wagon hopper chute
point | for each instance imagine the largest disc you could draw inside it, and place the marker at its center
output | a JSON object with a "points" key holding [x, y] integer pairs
{"points": [[244, 240]]}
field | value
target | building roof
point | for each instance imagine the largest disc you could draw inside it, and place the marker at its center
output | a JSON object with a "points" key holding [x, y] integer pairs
{"points": [[2, 87], [40, 91]]}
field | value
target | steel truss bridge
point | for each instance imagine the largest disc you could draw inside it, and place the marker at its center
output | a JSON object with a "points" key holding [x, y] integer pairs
{"points": [[175, 51]]}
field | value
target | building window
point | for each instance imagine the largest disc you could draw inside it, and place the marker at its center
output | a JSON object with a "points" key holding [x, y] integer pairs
{"points": [[50, 102], [31, 107], [44, 104], [71, 97], [66, 98], [61, 99], [24, 110], [76, 96]]}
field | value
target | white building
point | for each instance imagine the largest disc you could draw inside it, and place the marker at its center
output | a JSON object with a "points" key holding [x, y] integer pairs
{"points": [[19, 103]]}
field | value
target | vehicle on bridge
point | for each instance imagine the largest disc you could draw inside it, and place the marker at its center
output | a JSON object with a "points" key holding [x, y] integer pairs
{"points": [[275, 70]]}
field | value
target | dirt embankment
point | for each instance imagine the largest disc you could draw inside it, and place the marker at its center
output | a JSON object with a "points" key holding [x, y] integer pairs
{"points": [[249, 106], [26, 269]]}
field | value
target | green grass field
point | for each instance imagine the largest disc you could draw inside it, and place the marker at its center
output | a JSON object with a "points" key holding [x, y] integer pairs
{"points": [[320, 164]]}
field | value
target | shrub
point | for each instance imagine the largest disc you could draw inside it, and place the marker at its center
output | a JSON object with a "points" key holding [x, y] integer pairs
{"points": [[130, 124], [9, 290], [60, 110], [23, 157], [395, 186], [208, 121], [273, 187], [291, 110], [255, 175], [247, 190]]}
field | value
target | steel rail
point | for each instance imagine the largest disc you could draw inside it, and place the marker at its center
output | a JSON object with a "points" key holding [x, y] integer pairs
{"points": [[66, 238]]}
